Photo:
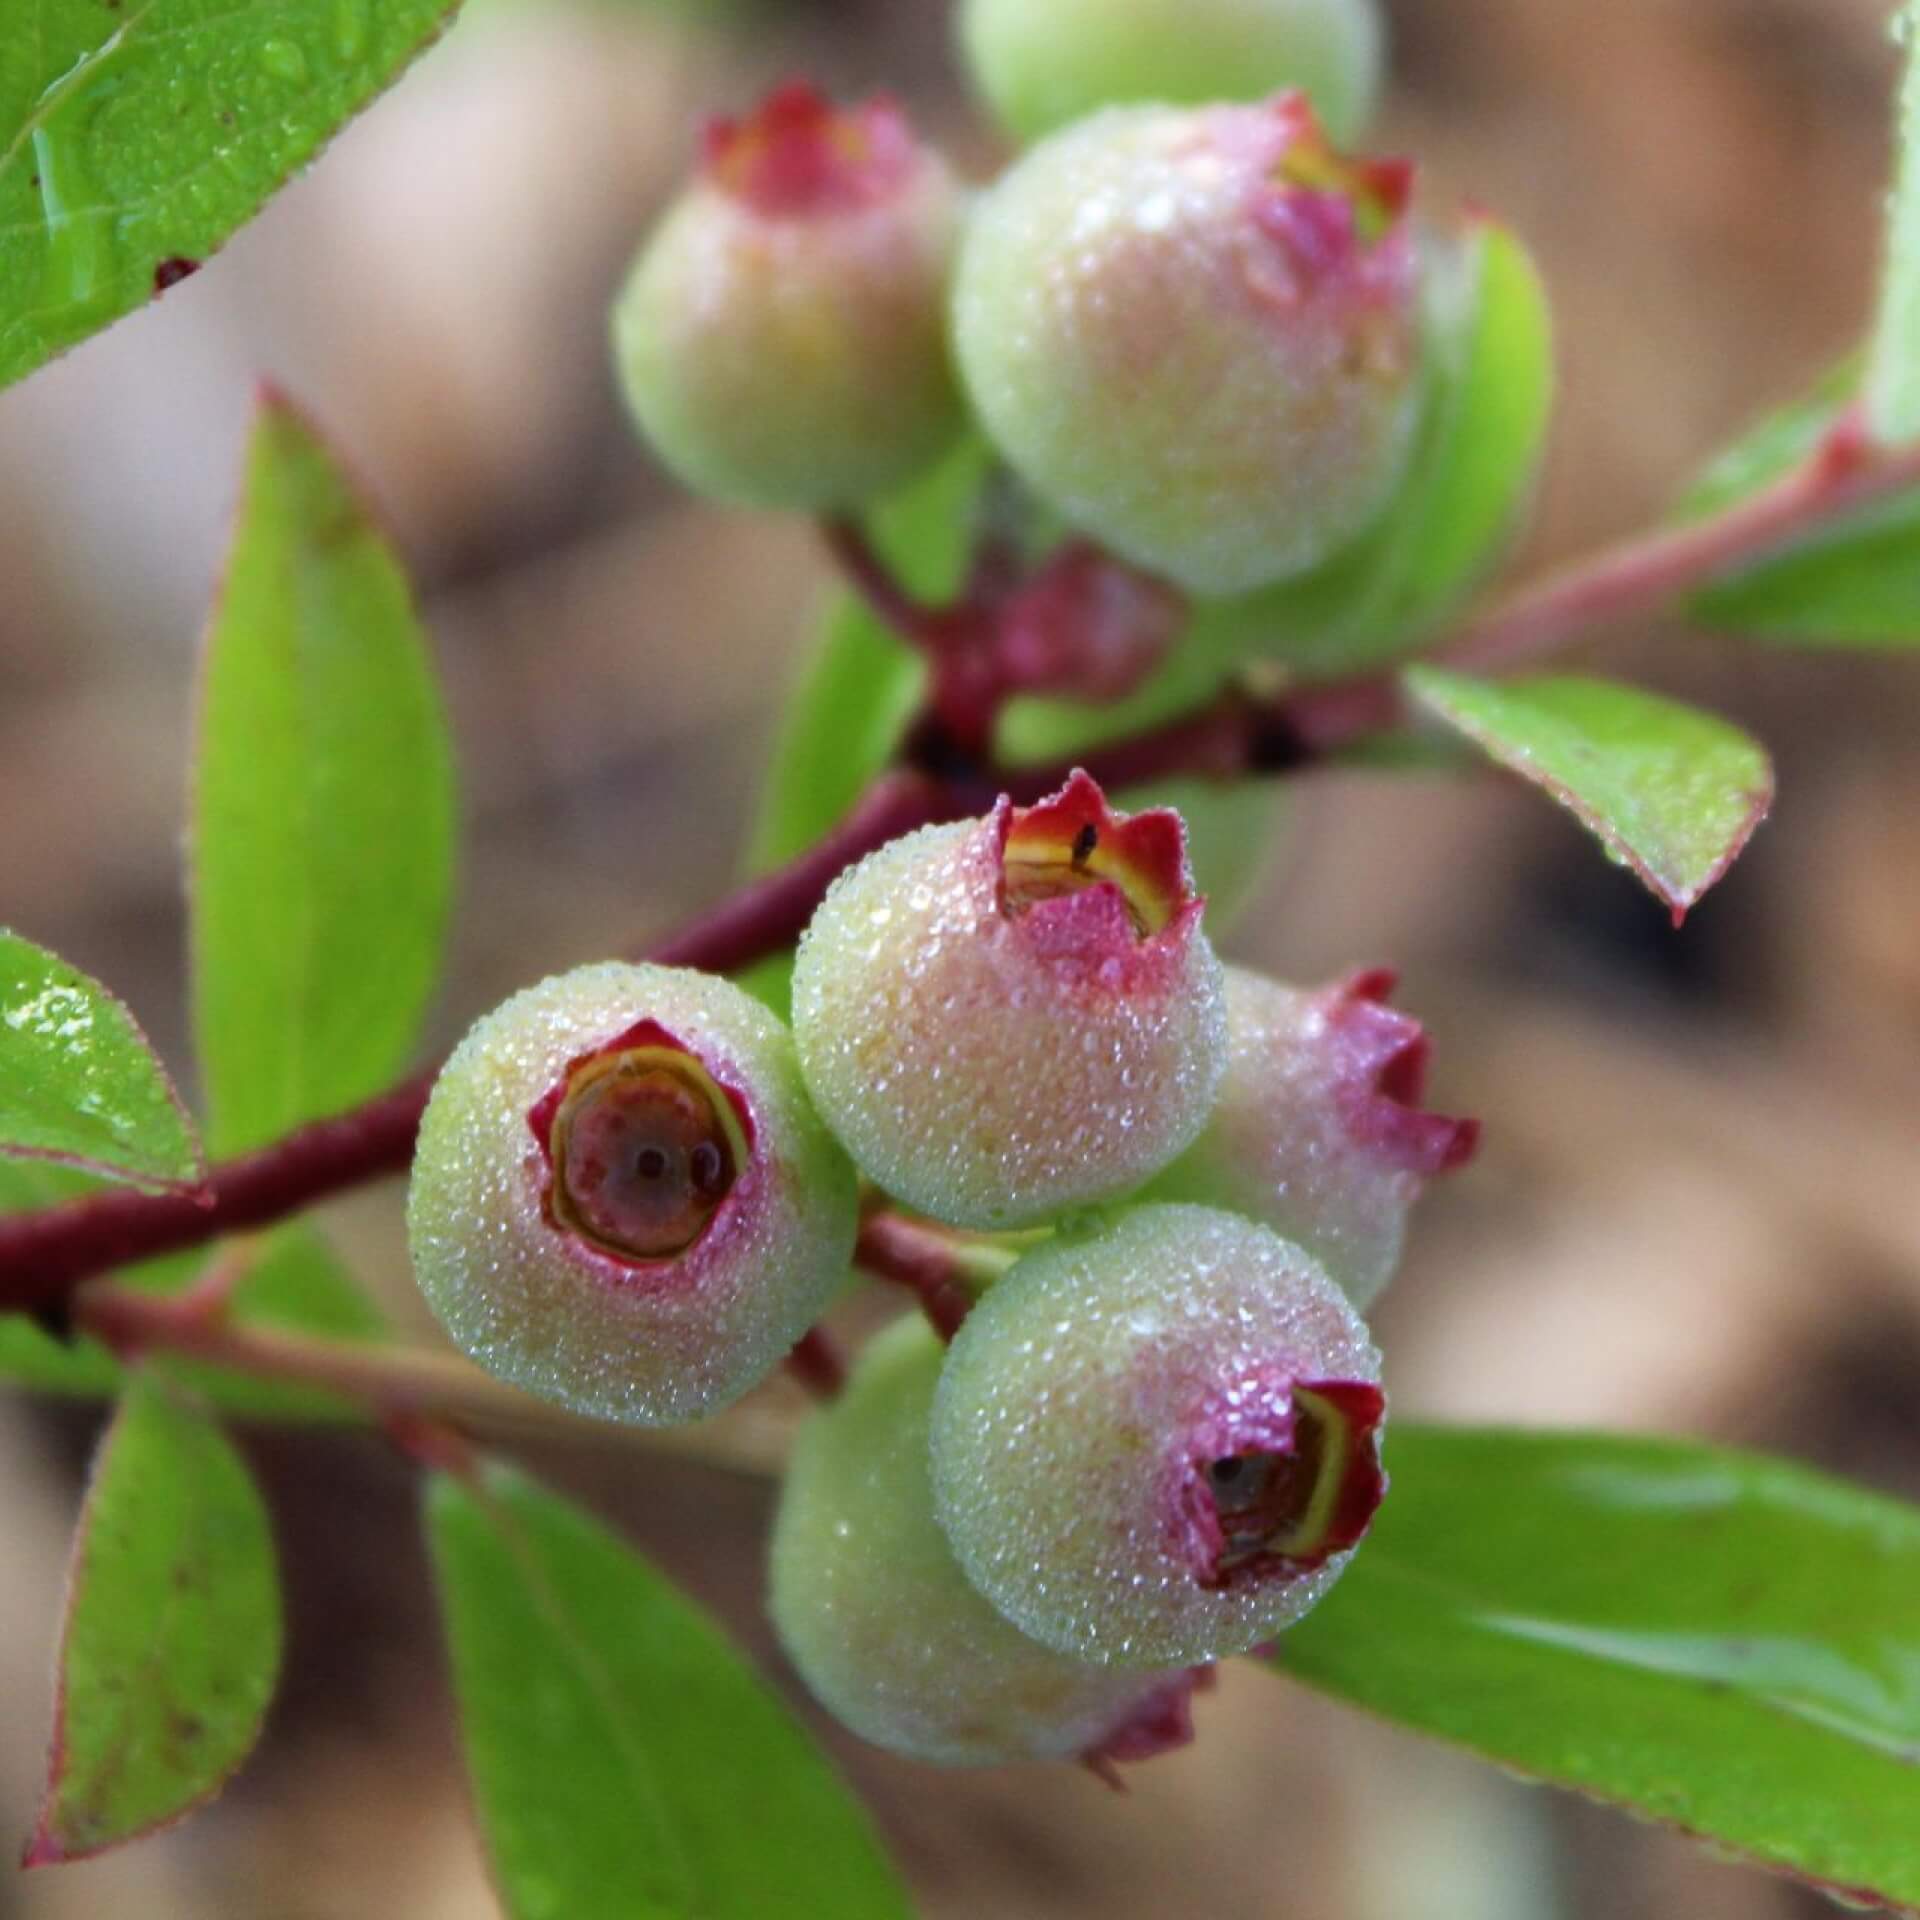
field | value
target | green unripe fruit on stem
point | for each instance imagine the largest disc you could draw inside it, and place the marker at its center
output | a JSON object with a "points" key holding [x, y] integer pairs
{"points": [[1318, 1130], [1008, 1017], [622, 1199], [1196, 335], [1045, 63], [1159, 1443], [883, 1626], [782, 336]]}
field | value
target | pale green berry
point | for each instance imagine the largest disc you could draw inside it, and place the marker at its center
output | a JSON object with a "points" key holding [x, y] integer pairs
{"points": [[1319, 1130], [1044, 63], [782, 336], [622, 1199], [1008, 1017], [1158, 1442], [1196, 335], [884, 1628]]}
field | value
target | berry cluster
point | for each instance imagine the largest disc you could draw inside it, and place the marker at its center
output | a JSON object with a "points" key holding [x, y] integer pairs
{"points": [[1196, 332], [1156, 1193], [1154, 1440]]}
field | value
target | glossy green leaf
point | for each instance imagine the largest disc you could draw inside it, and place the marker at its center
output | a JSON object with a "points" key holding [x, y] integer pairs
{"points": [[1727, 1643], [1473, 470], [1892, 387], [136, 135], [626, 1763], [862, 685], [1672, 793], [322, 806], [172, 1639], [79, 1083], [294, 1284]]}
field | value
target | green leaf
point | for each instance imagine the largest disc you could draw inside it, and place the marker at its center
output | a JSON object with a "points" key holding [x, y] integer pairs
{"points": [[1892, 387], [626, 1764], [1473, 469], [78, 1082], [172, 1639], [862, 684], [294, 1284], [136, 136], [1672, 793], [322, 807], [1723, 1642]]}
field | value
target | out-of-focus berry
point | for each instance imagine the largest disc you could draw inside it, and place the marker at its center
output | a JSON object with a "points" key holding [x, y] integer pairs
{"points": [[1044, 63], [1160, 1442], [1196, 334], [1319, 1130], [885, 1629], [622, 1199], [1013, 1016], [782, 337]]}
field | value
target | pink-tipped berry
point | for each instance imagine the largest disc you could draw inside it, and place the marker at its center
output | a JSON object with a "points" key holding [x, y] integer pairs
{"points": [[622, 1199], [1013, 1016], [886, 1630], [1159, 1443], [1196, 335], [782, 336], [1319, 1129]]}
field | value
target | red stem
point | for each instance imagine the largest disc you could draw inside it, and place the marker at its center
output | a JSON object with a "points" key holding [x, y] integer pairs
{"points": [[818, 1364], [919, 1259], [930, 628], [45, 1254], [1646, 575]]}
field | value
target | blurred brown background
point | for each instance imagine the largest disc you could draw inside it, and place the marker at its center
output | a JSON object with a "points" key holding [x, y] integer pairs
{"points": [[1699, 1207]]}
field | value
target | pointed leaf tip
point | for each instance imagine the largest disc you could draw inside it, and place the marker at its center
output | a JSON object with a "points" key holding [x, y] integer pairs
{"points": [[1672, 794], [322, 813]]}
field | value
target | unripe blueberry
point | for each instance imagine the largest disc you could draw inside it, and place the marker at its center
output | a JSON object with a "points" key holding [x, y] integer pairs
{"points": [[1043, 63], [622, 1199], [886, 1630], [782, 337], [1012, 1016], [1318, 1130], [1159, 1443], [1196, 335]]}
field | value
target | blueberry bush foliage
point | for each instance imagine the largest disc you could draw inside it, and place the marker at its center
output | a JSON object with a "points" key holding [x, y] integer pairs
{"points": [[1179, 458]]}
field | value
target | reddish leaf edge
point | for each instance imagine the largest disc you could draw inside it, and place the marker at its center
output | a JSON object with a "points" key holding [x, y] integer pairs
{"points": [[44, 1847], [1274, 1660], [1679, 900]]}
